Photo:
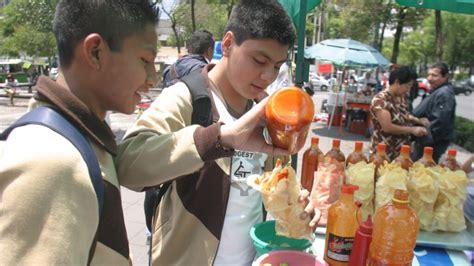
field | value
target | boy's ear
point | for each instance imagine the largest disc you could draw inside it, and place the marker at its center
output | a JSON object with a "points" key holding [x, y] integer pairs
{"points": [[227, 42], [93, 49]]}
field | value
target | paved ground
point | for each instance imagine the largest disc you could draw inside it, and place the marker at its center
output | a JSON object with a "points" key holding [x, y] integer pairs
{"points": [[133, 202]]}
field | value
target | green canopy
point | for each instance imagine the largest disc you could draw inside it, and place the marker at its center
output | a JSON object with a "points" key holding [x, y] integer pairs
{"points": [[458, 6], [292, 7]]}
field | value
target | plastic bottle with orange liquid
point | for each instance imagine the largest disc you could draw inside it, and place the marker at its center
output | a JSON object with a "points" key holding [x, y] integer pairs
{"points": [[394, 236], [450, 161], [379, 158], [357, 155], [404, 157], [341, 227], [311, 157], [427, 159], [335, 152], [289, 112]]}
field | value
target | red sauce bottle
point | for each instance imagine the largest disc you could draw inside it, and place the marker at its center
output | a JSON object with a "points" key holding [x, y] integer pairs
{"points": [[311, 157]]}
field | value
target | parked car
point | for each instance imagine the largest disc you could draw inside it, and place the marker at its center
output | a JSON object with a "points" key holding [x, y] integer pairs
{"points": [[318, 82], [462, 88]]}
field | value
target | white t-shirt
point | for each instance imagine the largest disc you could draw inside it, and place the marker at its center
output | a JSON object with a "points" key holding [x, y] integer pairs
{"points": [[244, 208]]}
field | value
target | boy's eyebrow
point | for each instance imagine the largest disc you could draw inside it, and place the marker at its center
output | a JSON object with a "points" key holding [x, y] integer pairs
{"points": [[269, 58]]}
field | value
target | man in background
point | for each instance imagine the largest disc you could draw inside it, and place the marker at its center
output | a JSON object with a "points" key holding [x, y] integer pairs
{"points": [[200, 52], [439, 107]]}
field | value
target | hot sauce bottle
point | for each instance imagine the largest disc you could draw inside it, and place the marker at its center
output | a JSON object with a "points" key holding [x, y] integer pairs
{"points": [[450, 161], [395, 228], [404, 157], [427, 159], [379, 158], [357, 155], [289, 112], [341, 227], [335, 152], [311, 157]]}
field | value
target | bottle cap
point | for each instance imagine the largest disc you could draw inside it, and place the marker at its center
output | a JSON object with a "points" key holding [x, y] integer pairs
{"points": [[405, 149], [452, 152], [359, 145], [400, 196], [336, 142], [381, 147], [349, 189], [428, 150], [367, 226], [314, 140]]}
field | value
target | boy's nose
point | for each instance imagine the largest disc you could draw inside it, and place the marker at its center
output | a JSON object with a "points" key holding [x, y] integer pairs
{"points": [[151, 76]]}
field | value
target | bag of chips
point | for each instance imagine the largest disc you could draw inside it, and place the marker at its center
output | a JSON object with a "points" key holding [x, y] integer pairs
{"points": [[280, 192]]}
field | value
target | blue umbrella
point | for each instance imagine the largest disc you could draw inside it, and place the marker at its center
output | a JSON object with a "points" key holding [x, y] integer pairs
{"points": [[346, 52]]}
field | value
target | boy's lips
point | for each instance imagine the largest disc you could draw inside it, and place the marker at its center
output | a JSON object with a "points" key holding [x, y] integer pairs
{"points": [[258, 87]]}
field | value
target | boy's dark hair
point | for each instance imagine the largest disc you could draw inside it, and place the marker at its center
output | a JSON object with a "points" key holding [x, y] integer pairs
{"points": [[443, 68], [114, 20], [261, 19], [404, 75], [200, 42]]}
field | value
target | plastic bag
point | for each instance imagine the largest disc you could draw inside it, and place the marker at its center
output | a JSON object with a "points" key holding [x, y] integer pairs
{"points": [[392, 177], [362, 174], [280, 192]]}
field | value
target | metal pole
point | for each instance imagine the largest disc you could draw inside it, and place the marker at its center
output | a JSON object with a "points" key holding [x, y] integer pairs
{"points": [[299, 60]]}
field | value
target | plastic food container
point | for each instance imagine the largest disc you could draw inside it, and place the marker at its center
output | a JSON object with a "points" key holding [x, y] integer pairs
{"points": [[265, 239], [287, 257], [289, 113]]}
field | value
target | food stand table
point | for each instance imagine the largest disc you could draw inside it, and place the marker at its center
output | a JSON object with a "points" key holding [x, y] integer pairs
{"points": [[355, 103]]}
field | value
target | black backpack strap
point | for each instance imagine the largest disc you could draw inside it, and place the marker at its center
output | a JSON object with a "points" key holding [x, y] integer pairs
{"points": [[201, 101], [52, 118]]}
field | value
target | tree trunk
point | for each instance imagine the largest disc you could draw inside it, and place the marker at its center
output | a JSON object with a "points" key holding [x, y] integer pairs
{"points": [[193, 18], [178, 44], [439, 36], [380, 44], [398, 35]]}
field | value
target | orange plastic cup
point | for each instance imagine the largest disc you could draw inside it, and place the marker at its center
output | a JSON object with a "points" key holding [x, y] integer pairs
{"points": [[289, 113]]}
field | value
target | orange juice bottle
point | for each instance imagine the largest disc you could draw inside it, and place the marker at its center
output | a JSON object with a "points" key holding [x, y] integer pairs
{"points": [[404, 157], [289, 113], [357, 155], [395, 228], [341, 227], [379, 158], [450, 161], [335, 152], [311, 157], [427, 159]]}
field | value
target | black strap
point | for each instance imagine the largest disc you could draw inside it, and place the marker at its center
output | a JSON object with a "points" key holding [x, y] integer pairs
{"points": [[202, 105], [52, 118]]}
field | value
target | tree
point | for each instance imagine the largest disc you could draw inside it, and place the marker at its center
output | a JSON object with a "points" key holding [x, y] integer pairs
{"points": [[439, 36], [173, 12], [27, 28]]}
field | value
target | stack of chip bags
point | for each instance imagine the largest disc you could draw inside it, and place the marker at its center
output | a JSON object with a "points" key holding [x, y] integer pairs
{"points": [[280, 191], [392, 177], [448, 211], [362, 175], [423, 190]]}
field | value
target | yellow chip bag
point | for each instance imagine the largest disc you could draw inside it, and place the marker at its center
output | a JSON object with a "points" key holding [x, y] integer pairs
{"points": [[423, 189], [448, 211], [280, 192], [392, 177], [362, 175]]}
